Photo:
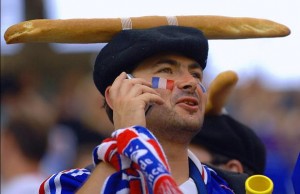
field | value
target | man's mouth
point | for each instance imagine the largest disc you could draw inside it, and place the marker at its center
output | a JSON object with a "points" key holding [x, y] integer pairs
{"points": [[188, 103], [188, 100], [192, 103]]}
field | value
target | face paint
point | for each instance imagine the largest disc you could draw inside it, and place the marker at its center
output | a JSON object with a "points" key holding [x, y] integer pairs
{"points": [[202, 87], [159, 82]]}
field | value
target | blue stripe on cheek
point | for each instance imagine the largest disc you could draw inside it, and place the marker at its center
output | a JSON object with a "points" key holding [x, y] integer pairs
{"points": [[155, 81]]}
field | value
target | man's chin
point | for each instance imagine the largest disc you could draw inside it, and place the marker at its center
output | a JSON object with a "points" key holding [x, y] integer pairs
{"points": [[193, 120]]}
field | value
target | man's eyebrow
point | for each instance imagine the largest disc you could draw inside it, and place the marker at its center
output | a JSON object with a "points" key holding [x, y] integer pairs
{"points": [[195, 65], [168, 61], [174, 62]]}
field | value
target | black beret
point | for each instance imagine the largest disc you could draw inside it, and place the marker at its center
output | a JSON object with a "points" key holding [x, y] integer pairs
{"points": [[130, 47], [224, 135]]}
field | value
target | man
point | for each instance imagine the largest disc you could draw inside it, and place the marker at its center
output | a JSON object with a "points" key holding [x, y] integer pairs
{"points": [[148, 152], [228, 144]]}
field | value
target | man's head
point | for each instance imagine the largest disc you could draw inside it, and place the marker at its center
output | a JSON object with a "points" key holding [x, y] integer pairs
{"points": [[225, 139], [170, 52], [130, 47]]}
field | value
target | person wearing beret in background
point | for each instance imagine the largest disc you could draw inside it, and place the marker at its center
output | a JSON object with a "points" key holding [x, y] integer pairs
{"points": [[231, 148], [148, 151], [226, 143]]}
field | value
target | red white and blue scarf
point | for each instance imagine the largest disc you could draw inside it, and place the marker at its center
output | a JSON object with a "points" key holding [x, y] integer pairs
{"points": [[141, 168]]}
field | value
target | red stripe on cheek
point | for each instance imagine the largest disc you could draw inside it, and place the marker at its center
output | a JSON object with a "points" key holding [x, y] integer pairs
{"points": [[170, 84]]}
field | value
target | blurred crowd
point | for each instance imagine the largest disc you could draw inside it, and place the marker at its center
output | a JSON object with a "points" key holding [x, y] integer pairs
{"points": [[74, 122], [275, 116]]}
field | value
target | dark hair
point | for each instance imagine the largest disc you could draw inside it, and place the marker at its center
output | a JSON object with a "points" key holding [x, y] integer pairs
{"points": [[108, 111], [31, 136], [10, 84]]}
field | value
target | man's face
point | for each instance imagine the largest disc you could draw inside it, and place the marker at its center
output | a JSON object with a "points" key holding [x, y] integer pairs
{"points": [[184, 105]]}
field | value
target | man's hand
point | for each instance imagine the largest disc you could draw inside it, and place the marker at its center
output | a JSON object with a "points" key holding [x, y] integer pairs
{"points": [[129, 98], [107, 152]]}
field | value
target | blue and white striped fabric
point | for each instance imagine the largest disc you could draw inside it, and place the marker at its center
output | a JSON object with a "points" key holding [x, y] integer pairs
{"points": [[65, 182]]}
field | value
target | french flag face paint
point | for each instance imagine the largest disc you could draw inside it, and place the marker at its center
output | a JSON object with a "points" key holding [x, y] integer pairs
{"points": [[202, 87], [159, 82]]}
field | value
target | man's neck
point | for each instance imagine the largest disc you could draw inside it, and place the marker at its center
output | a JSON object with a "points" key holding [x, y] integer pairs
{"points": [[177, 156]]}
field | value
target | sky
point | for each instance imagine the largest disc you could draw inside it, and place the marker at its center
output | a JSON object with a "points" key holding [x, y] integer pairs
{"points": [[274, 60]]}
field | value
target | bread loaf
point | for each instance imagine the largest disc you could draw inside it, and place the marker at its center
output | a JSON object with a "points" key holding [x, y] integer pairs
{"points": [[103, 29], [219, 91]]}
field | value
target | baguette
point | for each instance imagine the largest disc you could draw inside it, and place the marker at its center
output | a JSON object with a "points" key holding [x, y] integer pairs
{"points": [[101, 30], [219, 92]]}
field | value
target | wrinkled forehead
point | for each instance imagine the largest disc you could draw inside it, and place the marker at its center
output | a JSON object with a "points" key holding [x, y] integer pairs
{"points": [[172, 59]]}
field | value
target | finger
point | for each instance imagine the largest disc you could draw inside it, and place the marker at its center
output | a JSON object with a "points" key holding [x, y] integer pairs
{"points": [[151, 98], [139, 89], [117, 84], [121, 86], [140, 81]]}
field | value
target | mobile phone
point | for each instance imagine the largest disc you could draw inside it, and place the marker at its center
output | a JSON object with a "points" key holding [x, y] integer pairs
{"points": [[129, 76], [148, 107]]}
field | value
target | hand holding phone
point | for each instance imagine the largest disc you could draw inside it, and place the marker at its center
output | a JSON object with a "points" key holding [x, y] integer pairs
{"points": [[148, 107]]}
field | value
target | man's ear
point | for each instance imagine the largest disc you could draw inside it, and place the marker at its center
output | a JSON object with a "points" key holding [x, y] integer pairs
{"points": [[107, 97], [234, 166]]}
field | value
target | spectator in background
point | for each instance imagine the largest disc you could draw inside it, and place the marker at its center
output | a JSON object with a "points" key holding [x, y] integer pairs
{"points": [[230, 145], [231, 148], [26, 118], [24, 143]]}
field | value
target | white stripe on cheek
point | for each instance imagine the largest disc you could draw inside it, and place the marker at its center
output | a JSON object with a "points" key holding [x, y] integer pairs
{"points": [[162, 83]]}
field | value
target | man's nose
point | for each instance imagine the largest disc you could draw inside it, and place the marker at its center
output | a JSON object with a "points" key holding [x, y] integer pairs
{"points": [[187, 83]]}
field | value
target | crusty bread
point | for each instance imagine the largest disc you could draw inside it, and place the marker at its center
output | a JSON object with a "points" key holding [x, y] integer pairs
{"points": [[103, 29], [219, 91]]}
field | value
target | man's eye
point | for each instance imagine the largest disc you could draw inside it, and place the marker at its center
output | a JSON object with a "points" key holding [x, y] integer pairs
{"points": [[197, 75], [165, 70]]}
